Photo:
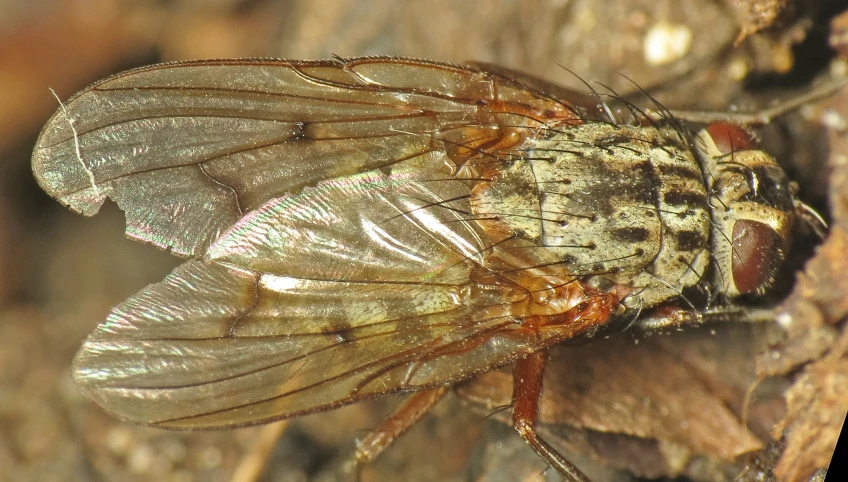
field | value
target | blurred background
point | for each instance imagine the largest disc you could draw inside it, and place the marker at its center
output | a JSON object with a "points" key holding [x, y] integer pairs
{"points": [[677, 410]]}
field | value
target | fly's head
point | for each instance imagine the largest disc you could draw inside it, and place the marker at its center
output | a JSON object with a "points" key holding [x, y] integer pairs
{"points": [[753, 209]]}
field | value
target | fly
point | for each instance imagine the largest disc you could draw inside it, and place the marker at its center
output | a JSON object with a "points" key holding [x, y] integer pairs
{"points": [[359, 227]]}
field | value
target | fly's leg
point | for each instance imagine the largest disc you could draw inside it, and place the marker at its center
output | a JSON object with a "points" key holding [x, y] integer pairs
{"points": [[766, 115], [404, 417], [253, 463], [526, 398], [593, 310], [673, 317]]}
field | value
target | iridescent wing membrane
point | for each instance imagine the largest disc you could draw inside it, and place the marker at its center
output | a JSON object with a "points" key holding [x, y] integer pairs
{"points": [[323, 206]]}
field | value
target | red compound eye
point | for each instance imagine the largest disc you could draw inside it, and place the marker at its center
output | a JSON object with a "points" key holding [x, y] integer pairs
{"points": [[756, 255], [730, 138]]}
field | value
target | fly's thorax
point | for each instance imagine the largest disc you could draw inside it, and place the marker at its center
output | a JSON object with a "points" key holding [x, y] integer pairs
{"points": [[624, 204], [753, 209]]}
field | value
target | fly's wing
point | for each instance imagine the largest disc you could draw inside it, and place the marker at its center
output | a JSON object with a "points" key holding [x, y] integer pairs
{"points": [[186, 149], [340, 293], [337, 259], [590, 106]]}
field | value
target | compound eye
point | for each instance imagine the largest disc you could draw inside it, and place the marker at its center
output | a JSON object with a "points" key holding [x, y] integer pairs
{"points": [[757, 255], [730, 138]]}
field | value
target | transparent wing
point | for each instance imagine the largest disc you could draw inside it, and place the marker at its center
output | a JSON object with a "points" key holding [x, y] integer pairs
{"points": [[213, 346], [337, 255], [342, 292], [186, 149]]}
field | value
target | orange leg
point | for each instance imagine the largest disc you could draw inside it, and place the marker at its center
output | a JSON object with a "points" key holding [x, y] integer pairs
{"points": [[410, 411], [253, 463], [526, 397]]}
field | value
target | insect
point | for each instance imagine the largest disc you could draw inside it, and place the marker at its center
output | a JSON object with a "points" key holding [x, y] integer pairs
{"points": [[359, 227]]}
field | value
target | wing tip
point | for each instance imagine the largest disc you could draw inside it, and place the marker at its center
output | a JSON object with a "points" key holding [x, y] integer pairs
{"points": [[71, 183]]}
